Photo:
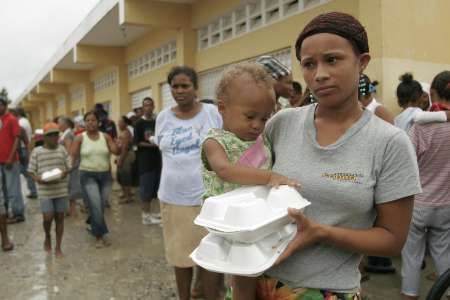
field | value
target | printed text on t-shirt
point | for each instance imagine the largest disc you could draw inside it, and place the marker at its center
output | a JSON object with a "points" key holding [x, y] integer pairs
{"points": [[184, 140]]}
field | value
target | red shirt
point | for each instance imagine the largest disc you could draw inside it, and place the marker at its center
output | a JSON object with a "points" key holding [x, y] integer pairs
{"points": [[9, 130], [439, 107]]}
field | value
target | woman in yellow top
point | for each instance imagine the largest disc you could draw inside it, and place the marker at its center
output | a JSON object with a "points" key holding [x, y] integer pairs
{"points": [[94, 148]]}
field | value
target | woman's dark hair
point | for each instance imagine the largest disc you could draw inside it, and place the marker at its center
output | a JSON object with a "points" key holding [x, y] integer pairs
{"points": [[21, 112], [441, 84], [208, 101], [68, 122], [338, 23], [307, 97], [148, 99], [91, 113], [408, 90], [297, 87], [126, 120], [185, 70]]}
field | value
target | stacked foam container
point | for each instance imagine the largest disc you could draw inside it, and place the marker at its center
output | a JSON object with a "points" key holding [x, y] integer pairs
{"points": [[52, 175], [248, 229]]}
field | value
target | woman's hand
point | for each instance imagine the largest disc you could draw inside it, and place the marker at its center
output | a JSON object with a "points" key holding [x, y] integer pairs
{"points": [[308, 233], [276, 180]]}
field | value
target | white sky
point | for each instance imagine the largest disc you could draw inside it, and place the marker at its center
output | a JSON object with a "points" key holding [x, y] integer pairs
{"points": [[31, 31]]}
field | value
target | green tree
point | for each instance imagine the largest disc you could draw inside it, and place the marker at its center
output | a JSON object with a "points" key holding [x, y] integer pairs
{"points": [[4, 94]]}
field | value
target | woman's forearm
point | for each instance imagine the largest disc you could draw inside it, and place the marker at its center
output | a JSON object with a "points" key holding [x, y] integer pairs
{"points": [[376, 241]]}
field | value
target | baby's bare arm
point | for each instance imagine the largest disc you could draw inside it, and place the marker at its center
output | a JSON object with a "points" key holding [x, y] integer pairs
{"points": [[219, 163]]}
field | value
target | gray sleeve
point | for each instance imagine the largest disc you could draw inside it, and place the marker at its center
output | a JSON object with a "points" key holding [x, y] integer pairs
{"points": [[399, 174]]}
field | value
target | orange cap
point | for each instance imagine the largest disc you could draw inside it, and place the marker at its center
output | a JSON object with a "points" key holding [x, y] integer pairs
{"points": [[50, 128]]}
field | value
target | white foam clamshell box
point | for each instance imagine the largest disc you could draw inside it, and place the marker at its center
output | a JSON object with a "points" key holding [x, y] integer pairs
{"points": [[52, 175], [218, 254], [249, 214]]}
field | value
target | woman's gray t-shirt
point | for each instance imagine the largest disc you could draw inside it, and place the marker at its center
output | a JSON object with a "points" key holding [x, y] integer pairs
{"points": [[372, 163]]}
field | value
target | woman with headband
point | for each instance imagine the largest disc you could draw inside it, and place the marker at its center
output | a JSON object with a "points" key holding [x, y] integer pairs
{"points": [[359, 173]]}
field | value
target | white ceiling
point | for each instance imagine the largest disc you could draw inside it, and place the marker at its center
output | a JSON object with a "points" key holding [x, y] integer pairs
{"points": [[107, 32], [67, 63], [180, 1]]}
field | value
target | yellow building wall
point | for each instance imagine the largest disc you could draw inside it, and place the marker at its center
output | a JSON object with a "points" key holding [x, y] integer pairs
{"points": [[79, 104], [154, 78], [42, 114], [61, 109], [279, 35], [413, 40], [109, 94], [148, 42], [205, 11], [393, 28], [151, 80], [35, 118], [415, 29], [49, 111]]}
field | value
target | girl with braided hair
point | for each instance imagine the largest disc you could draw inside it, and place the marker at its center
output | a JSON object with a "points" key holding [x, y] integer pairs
{"points": [[410, 96], [359, 173]]}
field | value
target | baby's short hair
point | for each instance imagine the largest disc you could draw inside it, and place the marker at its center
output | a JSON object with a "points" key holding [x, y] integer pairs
{"points": [[254, 71]]}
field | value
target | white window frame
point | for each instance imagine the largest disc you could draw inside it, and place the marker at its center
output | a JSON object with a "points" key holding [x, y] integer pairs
{"points": [[248, 17], [105, 81], [138, 97], [61, 102], [155, 58], [49, 110], [166, 96], [208, 80]]}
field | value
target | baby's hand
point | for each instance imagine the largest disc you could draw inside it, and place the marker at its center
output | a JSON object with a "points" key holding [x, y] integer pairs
{"points": [[276, 180]]}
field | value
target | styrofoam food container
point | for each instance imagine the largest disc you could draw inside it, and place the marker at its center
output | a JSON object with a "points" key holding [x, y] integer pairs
{"points": [[250, 213], [52, 175], [221, 255]]}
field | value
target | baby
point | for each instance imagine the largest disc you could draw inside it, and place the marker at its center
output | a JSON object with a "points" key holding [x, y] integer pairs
{"points": [[240, 154]]}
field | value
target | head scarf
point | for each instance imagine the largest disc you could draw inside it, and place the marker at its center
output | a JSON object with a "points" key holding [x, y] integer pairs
{"points": [[338, 23]]}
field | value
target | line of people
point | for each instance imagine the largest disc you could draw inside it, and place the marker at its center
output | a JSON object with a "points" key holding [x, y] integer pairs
{"points": [[365, 178]]}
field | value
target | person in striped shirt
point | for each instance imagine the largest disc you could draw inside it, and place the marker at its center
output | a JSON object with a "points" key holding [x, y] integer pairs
{"points": [[430, 225], [53, 194]]}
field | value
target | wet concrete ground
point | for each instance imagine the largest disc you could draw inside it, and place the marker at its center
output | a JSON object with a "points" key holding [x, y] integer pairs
{"points": [[133, 267]]}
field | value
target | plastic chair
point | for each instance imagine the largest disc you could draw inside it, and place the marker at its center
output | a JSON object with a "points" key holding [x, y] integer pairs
{"points": [[439, 287]]}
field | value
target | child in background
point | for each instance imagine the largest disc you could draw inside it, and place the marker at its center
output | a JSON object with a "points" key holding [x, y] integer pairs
{"points": [[239, 154], [410, 96], [53, 195]]}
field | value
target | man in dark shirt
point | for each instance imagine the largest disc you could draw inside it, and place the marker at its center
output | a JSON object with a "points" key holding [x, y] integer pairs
{"points": [[149, 161]]}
